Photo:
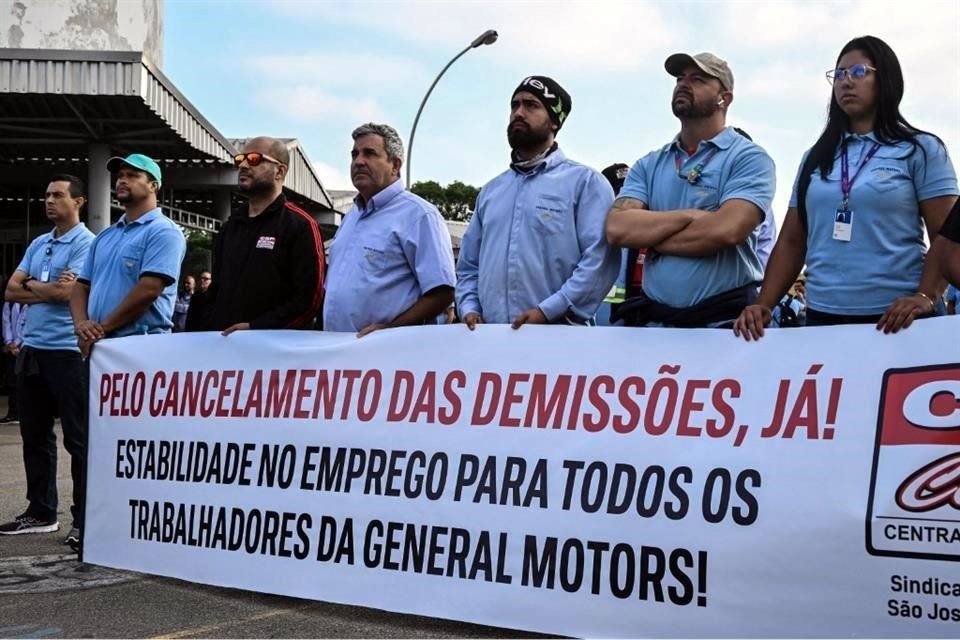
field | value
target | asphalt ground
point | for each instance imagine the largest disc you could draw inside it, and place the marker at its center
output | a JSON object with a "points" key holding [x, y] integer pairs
{"points": [[45, 592]]}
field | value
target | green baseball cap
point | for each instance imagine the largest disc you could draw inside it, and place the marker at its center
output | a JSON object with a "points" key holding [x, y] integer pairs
{"points": [[137, 161]]}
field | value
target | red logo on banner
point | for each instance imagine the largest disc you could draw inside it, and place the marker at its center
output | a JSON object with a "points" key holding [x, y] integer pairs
{"points": [[921, 407], [918, 452], [932, 486]]}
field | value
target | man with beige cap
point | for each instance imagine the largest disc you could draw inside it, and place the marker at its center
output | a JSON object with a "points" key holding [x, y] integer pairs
{"points": [[694, 204]]}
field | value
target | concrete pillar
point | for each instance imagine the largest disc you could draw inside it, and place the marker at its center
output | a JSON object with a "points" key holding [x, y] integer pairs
{"points": [[221, 204], [98, 187]]}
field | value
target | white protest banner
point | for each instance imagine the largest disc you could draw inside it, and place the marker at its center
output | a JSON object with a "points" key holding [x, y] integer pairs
{"points": [[590, 482]]}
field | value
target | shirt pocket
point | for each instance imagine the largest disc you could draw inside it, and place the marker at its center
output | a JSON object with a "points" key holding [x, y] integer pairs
{"points": [[377, 258], [551, 215], [58, 264], [704, 196], [886, 175], [131, 259]]}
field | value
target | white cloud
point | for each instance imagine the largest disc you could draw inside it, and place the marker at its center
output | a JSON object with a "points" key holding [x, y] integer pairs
{"points": [[611, 36], [310, 104], [800, 85], [339, 69], [609, 56], [332, 177]]}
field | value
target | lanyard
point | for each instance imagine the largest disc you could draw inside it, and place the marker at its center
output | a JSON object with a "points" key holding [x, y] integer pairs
{"points": [[694, 176], [846, 182]]}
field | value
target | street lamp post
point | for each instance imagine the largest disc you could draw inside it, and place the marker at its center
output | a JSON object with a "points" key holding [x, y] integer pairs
{"points": [[487, 37]]}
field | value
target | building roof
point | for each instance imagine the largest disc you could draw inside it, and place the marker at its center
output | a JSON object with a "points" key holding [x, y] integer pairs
{"points": [[55, 103], [53, 100]]}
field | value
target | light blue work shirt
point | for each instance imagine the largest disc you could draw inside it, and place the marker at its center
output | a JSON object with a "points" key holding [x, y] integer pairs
{"points": [[151, 245], [386, 255], [538, 239], [739, 170], [766, 238], [884, 258], [49, 324], [952, 295]]}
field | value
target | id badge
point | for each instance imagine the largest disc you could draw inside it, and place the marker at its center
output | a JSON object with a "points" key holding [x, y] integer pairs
{"points": [[843, 225], [45, 271]]}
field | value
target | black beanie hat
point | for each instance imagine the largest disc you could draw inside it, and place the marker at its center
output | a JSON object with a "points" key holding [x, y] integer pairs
{"points": [[554, 98], [616, 175]]}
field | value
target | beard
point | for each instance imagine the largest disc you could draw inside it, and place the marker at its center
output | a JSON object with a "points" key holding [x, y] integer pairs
{"points": [[129, 198], [523, 138], [261, 184], [693, 110]]}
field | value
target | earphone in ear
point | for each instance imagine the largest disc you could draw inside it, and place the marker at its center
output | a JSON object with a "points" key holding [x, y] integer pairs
{"points": [[720, 102]]}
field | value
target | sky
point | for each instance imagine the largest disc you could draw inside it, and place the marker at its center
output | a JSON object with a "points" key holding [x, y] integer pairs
{"points": [[315, 70]]}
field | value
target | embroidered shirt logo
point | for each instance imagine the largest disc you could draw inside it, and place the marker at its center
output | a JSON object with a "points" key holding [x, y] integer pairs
{"points": [[266, 242], [885, 173]]}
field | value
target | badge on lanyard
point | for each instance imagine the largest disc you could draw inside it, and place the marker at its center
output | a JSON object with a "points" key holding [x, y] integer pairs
{"points": [[45, 266], [843, 225], [843, 218]]}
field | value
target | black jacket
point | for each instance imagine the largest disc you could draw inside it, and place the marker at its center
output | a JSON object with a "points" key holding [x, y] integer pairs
{"points": [[267, 270]]}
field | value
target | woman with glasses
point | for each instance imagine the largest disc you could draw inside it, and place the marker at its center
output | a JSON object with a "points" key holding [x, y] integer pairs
{"points": [[863, 195]]}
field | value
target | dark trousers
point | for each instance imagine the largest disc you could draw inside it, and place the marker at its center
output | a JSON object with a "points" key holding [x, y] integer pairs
{"points": [[823, 319], [10, 383], [52, 383]]}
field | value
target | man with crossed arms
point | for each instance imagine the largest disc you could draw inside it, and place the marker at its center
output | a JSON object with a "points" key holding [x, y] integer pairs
{"points": [[695, 203]]}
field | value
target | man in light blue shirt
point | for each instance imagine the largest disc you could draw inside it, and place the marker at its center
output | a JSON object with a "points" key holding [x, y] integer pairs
{"points": [[951, 298], [51, 376], [128, 284], [14, 316], [535, 250], [696, 202], [391, 262]]}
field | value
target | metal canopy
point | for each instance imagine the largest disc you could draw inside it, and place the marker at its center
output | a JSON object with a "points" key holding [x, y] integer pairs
{"points": [[54, 104], [54, 101]]}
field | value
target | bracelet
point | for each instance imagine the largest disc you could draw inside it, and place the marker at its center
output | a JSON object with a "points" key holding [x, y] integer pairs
{"points": [[928, 299]]}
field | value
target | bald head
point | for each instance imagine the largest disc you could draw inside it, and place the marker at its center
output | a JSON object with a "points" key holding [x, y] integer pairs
{"points": [[268, 175], [271, 146]]}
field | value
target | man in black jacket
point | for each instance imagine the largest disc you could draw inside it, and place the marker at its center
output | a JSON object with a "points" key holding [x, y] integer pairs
{"points": [[268, 262]]}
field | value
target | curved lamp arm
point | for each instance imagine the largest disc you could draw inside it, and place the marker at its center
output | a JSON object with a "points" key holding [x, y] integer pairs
{"points": [[487, 37]]}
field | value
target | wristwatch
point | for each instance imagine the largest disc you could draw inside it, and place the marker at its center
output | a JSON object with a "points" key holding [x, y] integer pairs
{"points": [[25, 281]]}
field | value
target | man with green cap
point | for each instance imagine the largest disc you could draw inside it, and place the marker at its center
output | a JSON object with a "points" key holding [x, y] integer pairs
{"points": [[128, 284]]}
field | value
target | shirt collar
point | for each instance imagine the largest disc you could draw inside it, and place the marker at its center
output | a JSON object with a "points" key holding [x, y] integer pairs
{"points": [[721, 141], [380, 199], [850, 135], [146, 218], [69, 236]]}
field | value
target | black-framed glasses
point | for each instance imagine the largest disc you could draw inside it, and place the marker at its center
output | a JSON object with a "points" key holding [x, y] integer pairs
{"points": [[854, 72]]}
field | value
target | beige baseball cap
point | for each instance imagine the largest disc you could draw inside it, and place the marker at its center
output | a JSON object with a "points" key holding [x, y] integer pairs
{"points": [[707, 62]]}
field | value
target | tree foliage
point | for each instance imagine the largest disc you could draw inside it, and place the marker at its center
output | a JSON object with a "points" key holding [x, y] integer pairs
{"points": [[199, 253], [455, 201]]}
